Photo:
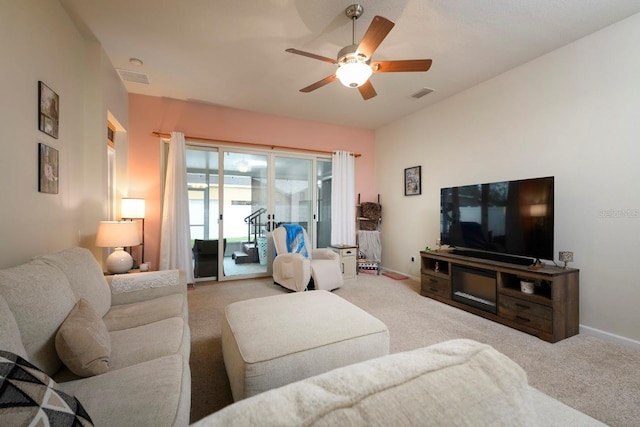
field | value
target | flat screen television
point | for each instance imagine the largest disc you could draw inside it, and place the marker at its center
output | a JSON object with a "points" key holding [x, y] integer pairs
{"points": [[508, 220]]}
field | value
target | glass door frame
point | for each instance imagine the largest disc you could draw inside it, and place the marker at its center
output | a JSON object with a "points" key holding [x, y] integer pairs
{"points": [[271, 192]]}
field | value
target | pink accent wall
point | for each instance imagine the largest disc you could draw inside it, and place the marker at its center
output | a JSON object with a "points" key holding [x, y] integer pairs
{"points": [[148, 114]]}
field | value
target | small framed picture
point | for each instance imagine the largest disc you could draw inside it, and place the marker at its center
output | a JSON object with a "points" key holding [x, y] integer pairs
{"points": [[48, 110], [48, 169], [412, 181]]}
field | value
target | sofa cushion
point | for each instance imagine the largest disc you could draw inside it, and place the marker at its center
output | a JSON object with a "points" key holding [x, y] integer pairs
{"points": [[85, 276], [83, 342], [147, 394], [40, 298], [147, 342], [10, 339], [144, 312], [455, 383], [142, 344], [29, 397]]}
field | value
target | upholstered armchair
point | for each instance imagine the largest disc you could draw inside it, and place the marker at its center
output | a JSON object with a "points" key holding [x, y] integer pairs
{"points": [[294, 271]]}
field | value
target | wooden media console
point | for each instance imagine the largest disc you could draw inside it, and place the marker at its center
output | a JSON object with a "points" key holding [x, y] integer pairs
{"points": [[551, 312]]}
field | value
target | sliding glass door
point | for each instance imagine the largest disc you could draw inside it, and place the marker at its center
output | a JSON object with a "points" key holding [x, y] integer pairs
{"points": [[293, 192], [204, 210], [244, 217], [236, 197]]}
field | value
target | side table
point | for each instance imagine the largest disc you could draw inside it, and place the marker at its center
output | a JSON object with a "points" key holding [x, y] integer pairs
{"points": [[347, 255]]}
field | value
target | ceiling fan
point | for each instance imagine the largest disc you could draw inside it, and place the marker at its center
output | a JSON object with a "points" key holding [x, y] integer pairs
{"points": [[354, 61]]}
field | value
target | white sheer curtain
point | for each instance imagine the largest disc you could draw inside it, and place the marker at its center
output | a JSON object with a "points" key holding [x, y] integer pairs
{"points": [[175, 236], [343, 199]]}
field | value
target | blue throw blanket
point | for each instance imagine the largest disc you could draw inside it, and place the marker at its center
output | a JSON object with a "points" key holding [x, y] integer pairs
{"points": [[295, 239]]}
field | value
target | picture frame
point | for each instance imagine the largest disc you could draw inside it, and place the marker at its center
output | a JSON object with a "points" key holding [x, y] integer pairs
{"points": [[48, 168], [48, 110], [413, 181]]}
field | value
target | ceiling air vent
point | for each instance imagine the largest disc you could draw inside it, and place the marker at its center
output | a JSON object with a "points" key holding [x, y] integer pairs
{"points": [[133, 76], [422, 92]]}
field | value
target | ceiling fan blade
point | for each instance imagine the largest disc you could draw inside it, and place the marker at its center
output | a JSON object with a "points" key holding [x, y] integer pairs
{"points": [[367, 91], [400, 66], [376, 32], [319, 84], [312, 55]]}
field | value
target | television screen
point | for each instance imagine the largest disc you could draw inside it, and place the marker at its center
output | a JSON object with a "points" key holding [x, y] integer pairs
{"points": [[509, 217]]}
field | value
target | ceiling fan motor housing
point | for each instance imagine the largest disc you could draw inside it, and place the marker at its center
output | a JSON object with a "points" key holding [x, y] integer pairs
{"points": [[350, 54]]}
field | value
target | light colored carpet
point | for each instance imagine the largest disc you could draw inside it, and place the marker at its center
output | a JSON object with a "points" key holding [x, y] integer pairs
{"points": [[596, 377]]}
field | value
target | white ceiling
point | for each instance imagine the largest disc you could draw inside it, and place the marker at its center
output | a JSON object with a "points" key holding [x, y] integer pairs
{"points": [[232, 53]]}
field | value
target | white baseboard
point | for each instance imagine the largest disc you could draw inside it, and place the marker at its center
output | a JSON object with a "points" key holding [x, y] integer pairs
{"points": [[607, 336]]}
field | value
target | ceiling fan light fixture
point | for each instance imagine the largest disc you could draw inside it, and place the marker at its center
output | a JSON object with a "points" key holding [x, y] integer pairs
{"points": [[353, 74]]}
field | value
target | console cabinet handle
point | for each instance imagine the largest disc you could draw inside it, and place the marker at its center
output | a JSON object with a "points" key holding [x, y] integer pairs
{"points": [[525, 307], [523, 319]]}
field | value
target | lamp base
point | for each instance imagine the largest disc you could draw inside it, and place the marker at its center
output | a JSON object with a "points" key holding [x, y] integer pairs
{"points": [[119, 261]]}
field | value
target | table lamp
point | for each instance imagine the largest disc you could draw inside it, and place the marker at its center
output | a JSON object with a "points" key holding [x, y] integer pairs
{"points": [[566, 256], [117, 235]]}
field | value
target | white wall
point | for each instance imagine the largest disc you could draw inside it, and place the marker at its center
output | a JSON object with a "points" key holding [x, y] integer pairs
{"points": [[38, 41], [573, 114]]}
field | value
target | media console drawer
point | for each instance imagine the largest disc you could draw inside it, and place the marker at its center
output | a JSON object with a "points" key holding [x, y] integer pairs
{"points": [[435, 286], [526, 313]]}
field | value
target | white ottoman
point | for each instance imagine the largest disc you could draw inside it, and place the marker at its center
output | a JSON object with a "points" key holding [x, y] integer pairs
{"points": [[272, 341]]}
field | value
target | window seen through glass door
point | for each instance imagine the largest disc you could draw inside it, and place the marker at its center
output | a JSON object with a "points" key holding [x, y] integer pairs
{"points": [[203, 187], [324, 202], [293, 192]]}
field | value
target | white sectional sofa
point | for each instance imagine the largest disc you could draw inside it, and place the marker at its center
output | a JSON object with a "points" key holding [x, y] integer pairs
{"points": [[145, 379], [455, 383], [124, 342]]}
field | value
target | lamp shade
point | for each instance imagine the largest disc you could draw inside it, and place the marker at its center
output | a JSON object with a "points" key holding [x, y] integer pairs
{"points": [[565, 256], [115, 234], [353, 74], [132, 208]]}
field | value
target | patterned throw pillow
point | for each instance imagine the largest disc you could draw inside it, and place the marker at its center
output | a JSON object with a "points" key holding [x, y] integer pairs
{"points": [[29, 397]]}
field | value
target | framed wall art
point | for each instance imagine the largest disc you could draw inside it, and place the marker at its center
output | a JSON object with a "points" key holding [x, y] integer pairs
{"points": [[48, 169], [48, 110], [412, 181]]}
